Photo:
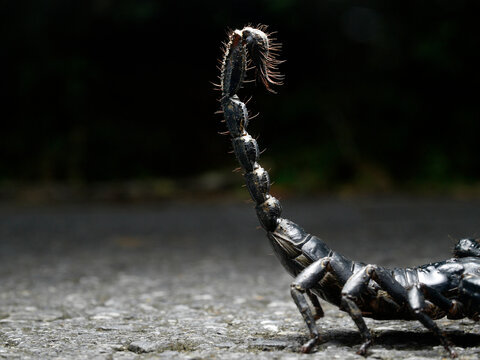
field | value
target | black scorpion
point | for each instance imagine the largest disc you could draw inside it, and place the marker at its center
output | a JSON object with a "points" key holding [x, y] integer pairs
{"points": [[425, 293]]}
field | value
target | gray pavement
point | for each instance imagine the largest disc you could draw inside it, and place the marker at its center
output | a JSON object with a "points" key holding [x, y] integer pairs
{"points": [[196, 280]]}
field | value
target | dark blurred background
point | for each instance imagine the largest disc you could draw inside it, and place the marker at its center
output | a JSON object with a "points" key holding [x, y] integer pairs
{"points": [[378, 96]]}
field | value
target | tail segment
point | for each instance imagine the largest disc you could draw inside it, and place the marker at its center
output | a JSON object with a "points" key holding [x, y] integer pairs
{"points": [[262, 53]]}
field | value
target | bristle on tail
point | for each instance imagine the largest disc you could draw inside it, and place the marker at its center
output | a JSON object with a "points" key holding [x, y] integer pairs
{"points": [[263, 52]]}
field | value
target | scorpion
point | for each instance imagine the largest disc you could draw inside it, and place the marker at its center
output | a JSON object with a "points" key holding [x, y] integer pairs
{"points": [[425, 293]]}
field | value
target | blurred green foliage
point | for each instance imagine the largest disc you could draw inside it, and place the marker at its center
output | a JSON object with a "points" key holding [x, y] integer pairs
{"points": [[377, 94]]}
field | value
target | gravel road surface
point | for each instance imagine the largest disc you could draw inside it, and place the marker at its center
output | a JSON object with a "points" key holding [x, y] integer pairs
{"points": [[198, 280]]}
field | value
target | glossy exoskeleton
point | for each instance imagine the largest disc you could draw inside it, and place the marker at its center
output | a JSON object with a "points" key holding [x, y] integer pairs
{"points": [[448, 288]]}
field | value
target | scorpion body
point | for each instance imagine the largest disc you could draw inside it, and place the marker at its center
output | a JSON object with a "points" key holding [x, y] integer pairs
{"points": [[425, 293]]}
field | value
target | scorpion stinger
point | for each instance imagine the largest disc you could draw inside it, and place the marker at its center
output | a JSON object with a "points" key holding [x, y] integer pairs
{"points": [[425, 293]]}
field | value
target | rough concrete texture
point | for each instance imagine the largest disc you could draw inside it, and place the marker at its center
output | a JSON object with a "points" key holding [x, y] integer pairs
{"points": [[199, 281]]}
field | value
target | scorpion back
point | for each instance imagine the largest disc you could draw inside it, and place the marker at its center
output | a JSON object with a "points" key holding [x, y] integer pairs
{"points": [[448, 288]]}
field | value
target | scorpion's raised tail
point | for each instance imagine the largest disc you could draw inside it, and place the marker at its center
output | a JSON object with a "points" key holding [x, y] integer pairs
{"points": [[261, 52], [289, 241]]}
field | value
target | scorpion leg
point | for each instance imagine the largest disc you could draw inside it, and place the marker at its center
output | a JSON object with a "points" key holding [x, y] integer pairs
{"points": [[351, 294], [453, 308], [300, 287], [355, 286], [316, 305], [416, 301], [470, 295]]}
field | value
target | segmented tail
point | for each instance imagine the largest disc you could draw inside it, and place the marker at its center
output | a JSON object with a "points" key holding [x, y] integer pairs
{"points": [[250, 45]]}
